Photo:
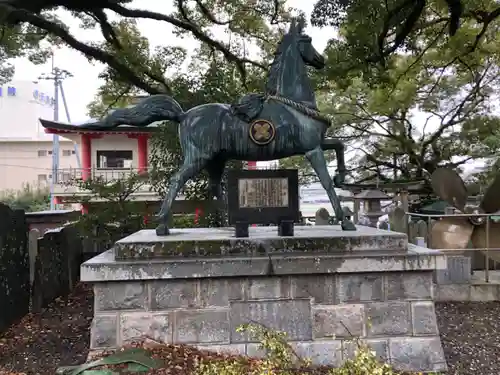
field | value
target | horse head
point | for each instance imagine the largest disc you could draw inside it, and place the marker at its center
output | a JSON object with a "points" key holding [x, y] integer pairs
{"points": [[304, 44], [287, 75]]}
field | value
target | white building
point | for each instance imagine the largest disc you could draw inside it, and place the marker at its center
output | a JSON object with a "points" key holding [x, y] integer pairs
{"points": [[25, 148]]}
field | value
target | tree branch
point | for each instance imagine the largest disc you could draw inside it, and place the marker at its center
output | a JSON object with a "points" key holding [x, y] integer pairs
{"points": [[19, 11], [456, 111], [486, 20], [21, 15], [188, 26], [208, 14]]}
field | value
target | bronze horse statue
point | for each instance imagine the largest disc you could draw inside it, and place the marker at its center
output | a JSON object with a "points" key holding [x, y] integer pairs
{"points": [[281, 122]]}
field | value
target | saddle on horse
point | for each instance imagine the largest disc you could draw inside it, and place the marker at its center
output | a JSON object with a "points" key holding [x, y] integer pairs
{"points": [[249, 106]]}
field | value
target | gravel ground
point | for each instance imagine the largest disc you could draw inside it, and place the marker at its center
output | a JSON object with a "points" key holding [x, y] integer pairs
{"points": [[470, 333], [59, 336]]}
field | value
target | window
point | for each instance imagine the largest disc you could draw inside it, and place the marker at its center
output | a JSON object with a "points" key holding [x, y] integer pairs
{"points": [[42, 177], [50, 152], [42, 153], [66, 152], [114, 159]]}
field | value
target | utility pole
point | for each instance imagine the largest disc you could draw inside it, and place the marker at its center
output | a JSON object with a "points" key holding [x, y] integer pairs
{"points": [[57, 75]]}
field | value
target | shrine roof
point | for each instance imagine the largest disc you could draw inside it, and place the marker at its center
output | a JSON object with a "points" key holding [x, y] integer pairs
{"points": [[53, 127]]}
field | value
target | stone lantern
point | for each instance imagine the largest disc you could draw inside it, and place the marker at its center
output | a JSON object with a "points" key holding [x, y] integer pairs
{"points": [[372, 204]]}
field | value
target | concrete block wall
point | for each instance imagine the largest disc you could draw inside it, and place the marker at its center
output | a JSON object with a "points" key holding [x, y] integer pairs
{"points": [[458, 270], [392, 311]]}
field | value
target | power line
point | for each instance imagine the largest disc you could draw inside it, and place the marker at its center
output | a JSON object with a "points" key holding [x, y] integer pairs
{"points": [[24, 166]]}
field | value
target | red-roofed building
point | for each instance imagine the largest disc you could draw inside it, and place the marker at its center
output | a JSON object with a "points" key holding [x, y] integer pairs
{"points": [[111, 154]]}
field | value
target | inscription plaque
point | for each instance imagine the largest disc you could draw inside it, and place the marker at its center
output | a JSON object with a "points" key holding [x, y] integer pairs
{"points": [[269, 196], [263, 192]]}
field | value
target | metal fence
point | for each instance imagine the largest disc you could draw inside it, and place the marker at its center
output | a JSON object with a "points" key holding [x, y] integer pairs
{"points": [[423, 229], [106, 174]]}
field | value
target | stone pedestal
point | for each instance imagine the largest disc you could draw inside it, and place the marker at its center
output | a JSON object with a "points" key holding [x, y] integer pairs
{"points": [[323, 286]]}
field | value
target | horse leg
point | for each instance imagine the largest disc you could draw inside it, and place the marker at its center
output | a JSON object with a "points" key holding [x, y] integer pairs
{"points": [[189, 169], [318, 163], [215, 169], [338, 147]]}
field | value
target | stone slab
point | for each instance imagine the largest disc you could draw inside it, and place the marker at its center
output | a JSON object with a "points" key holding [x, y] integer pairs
{"points": [[292, 316], [423, 354], [477, 290], [210, 242], [105, 267], [457, 272]]}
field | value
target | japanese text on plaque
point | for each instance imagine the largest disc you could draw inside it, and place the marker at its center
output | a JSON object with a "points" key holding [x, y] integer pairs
{"points": [[263, 192]]}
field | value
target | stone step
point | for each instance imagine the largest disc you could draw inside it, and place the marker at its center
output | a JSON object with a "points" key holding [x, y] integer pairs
{"points": [[214, 242]]}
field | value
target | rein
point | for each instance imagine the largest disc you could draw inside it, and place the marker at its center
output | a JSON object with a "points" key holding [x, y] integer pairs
{"points": [[315, 114]]}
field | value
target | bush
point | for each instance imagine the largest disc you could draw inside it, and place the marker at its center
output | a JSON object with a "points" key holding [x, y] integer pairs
{"points": [[29, 199], [281, 359], [183, 221]]}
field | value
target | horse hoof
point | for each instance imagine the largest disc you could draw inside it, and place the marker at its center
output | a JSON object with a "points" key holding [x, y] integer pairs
{"points": [[338, 181], [348, 225], [162, 230]]}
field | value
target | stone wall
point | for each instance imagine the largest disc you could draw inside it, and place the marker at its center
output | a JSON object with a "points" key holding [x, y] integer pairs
{"points": [[35, 268], [14, 266], [56, 257], [392, 311]]}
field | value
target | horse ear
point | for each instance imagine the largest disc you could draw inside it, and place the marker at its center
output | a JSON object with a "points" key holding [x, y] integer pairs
{"points": [[293, 26], [300, 25]]}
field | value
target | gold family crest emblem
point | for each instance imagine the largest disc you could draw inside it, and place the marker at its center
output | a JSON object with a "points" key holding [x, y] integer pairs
{"points": [[262, 132]]}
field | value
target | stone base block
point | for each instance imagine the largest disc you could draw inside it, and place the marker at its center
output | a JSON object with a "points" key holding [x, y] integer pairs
{"points": [[195, 242], [321, 301]]}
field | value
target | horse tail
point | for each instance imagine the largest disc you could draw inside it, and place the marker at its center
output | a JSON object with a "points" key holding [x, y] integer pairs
{"points": [[151, 109]]}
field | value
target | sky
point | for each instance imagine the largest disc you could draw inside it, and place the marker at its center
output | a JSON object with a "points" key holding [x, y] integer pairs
{"points": [[81, 88]]}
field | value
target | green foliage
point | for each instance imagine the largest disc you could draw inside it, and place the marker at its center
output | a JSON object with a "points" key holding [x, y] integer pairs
{"points": [[365, 362], [371, 30], [24, 40], [306, 174], [28, 199], [249, 26], [136, 53], [112, 213], [183, 221], [450, 79], [456, 122], [280, 358]]}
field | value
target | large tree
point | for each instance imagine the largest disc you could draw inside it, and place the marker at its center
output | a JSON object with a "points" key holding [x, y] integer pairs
{"points": [[248, 22], [425, 113], [372, 30], [23, 40]]}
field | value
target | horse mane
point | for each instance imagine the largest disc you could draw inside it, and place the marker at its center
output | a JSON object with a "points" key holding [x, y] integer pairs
{"points": [[272, 74], [250, 105]]}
